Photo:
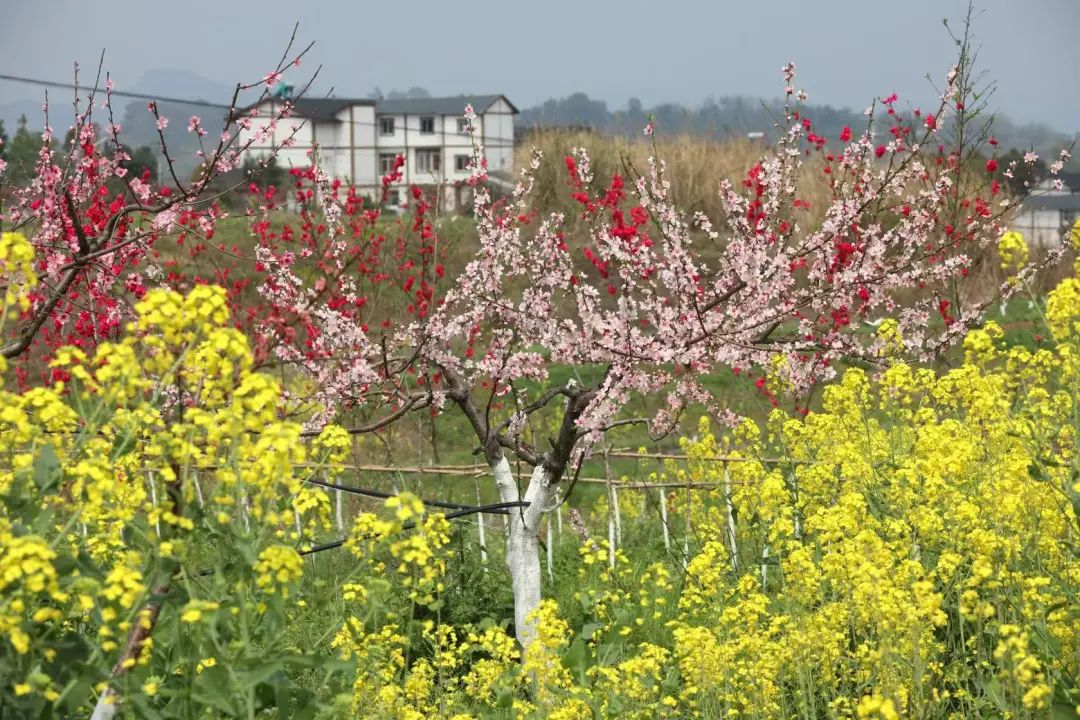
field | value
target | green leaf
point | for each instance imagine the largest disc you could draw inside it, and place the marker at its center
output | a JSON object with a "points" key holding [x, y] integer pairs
{"points": [[146, 710], [328, 663], [992, 688], [1062, 711], [256, 673], [46, 467], [589, 629], [213, 687], [577, 657]]}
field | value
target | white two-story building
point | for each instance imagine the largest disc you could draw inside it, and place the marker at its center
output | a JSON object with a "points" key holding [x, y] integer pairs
{"points": [[358, 139], [1049, 213]]}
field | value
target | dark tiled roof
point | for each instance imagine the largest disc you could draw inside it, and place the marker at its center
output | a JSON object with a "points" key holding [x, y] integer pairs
{"points": [[439, 106], [1053, 202], [1071, 180], [325, 109]]}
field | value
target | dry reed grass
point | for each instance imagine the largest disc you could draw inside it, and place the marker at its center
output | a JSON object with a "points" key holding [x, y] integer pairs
{"points": [[695, 167]]}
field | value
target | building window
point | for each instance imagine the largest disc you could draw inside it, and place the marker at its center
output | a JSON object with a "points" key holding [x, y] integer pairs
{"points": [[386, 163], [428, 161], [392, 197], [386, 126], [463, 126], [461, 162], [427, 125]]}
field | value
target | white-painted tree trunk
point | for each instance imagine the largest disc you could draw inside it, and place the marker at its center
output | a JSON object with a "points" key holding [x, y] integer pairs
{"points": [[523, 542], [550, 552], [105, 708]]}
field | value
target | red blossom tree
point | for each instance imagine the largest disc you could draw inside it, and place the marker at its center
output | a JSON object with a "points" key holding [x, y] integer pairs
{"points": [[94, 227]]}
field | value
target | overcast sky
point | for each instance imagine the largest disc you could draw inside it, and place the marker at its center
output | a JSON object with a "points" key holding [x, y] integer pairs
{"points": [[847, 51]]}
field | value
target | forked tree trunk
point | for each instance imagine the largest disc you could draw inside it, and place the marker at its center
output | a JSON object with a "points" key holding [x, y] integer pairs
{"points": [[523, 542], [523, 523]]}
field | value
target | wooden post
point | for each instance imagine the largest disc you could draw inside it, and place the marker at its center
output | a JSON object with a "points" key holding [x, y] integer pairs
{"points": [[664, 520], [198, 488], [483, 539]]}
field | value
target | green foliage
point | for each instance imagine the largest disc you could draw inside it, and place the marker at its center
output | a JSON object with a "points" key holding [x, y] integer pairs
{"points": [[21, 155], [142, 159]]}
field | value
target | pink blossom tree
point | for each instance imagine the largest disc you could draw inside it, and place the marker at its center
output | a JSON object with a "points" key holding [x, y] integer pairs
{"points": [[658, 298]]}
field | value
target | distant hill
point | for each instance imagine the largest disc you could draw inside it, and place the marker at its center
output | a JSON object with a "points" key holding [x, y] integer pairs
{"points": [[11, 111], [739, 115], [138, 123], [716, 117]]}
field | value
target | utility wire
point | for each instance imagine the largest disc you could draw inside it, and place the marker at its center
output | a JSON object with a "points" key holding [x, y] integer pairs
{"points": [[501, 508], [385, 495], [205, 103], [120, 93], [493, 509]]}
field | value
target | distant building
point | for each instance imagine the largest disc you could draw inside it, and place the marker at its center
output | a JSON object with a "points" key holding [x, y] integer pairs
{"points": [[1048, 214], [358, 139]]}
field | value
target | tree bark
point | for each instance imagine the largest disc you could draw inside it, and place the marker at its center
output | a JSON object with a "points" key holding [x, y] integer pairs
{"points": [[523, 542]]}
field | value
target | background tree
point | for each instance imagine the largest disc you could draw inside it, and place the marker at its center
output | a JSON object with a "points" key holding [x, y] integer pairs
{"points": [[266, 172], [1025, 176], [22, 153], [142, 162], [91, 223]]}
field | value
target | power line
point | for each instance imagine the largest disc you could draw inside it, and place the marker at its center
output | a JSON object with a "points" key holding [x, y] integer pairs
{"points": [[200, 103], [120, 93], [367, 492], [492, 509], [500, 508]]}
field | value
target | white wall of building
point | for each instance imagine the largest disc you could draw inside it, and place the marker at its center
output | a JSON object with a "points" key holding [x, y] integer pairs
{"points": [[1043, 228], [350, 147]]}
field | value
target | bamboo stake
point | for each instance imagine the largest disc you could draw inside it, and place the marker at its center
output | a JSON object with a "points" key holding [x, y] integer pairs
{"points": [[615, 533], [611, 540], [339, 513], [153, 500], [664, 520], [198, 489], [686, 532], [480, 523], [731, 520], [618, 515]]}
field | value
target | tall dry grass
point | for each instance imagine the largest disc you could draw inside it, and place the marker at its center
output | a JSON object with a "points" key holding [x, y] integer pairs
{"points": [[695, 167]]}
